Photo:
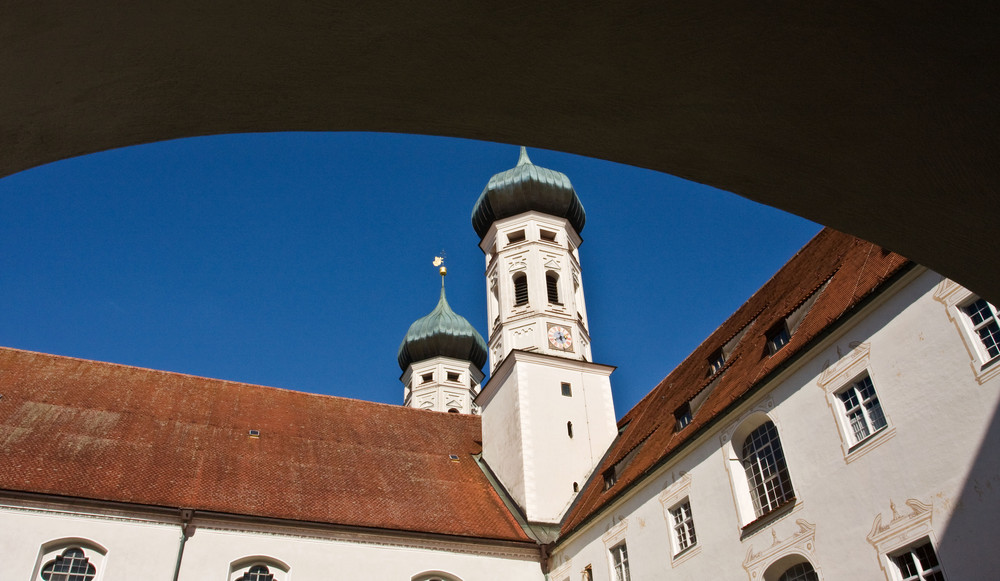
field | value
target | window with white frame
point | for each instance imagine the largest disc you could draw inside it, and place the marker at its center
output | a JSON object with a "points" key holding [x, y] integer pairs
{"points": [[861, 409], [977, 323], [917, 563], [983, 320], [683, 527], [619, 560], [71, 564], [766, 471]]}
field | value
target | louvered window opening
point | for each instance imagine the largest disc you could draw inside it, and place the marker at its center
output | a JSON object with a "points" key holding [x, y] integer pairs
{"points": [[520, 290], [552, 286], [766, 471]]}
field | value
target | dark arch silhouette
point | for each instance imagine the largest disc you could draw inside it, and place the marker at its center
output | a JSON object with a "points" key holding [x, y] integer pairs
{"points": [[879, 120]]}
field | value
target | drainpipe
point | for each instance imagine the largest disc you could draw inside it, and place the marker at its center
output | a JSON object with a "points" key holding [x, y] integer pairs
{"points": [[187, 530]]}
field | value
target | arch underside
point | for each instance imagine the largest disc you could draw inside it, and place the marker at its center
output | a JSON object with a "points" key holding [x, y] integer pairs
{"points": [[879, 120]]}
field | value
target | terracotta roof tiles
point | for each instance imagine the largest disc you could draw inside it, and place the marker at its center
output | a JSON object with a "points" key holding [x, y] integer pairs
{"points": [[93, 430], [841, 268]]}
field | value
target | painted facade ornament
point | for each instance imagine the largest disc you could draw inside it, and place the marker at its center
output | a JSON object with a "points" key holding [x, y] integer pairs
{"points": [[801, 542]]}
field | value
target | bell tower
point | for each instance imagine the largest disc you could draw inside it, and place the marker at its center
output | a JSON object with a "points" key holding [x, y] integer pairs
{"points": [[547, 410], [442, 356]]}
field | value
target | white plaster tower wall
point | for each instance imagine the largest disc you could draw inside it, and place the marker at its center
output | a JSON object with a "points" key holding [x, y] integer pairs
{"points": [[547, 410], [546, 423], [543, 250], [442, 384]]}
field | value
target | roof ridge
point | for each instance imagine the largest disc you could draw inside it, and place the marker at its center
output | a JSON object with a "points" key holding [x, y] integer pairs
{"points": [[213, 379]]}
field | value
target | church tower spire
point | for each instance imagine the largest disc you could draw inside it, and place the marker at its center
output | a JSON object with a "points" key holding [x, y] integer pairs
{"points": [[442, 356], [547, 410]]}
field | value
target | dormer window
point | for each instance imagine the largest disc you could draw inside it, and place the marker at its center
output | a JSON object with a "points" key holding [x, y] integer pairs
{"points": [[777, 338], [515, 237], [716, 361], [683, 417], [610, 478]]}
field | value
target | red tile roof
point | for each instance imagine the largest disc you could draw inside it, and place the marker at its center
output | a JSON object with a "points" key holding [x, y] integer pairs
{"points": [[851, 269], [93, 430]]}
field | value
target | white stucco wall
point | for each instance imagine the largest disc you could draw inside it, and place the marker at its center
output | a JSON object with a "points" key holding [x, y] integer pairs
{"points": [[526, 440], [937, 451], [142, 548]]}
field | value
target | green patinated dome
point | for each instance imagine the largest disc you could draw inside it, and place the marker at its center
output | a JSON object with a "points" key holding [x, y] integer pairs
{"points": [[527, 187], [442, 333]]}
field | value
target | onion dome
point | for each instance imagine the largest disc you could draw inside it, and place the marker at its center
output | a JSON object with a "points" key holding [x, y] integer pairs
{"points": [[442, 333], [527, 187]]}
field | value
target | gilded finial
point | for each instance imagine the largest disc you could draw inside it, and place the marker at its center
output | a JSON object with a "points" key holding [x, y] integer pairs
{"points": [[439, 262]]}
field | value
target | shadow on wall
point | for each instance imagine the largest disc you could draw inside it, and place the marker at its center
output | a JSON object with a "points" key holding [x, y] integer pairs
{"points": [[964, 551]]}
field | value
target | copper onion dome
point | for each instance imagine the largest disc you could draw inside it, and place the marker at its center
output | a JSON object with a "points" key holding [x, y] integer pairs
{"points": [[527, 187], [442, 333]]}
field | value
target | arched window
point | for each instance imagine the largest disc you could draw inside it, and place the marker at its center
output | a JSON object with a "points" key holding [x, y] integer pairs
{"points": [[552, 287], [434, 576], [258, 568], [70, 565], [257, 573], [799, 572], [520, 289], [766, 471]]}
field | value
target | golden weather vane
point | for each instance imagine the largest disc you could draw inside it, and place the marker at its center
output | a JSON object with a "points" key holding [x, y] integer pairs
{"points": [[439, 262]]}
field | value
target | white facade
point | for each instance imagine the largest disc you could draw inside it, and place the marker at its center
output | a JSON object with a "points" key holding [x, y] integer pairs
{"points": [[929, 474], [442, 384], [128, 545]]}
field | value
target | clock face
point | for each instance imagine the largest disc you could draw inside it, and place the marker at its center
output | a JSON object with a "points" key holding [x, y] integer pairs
{"points": [[560, 338]]}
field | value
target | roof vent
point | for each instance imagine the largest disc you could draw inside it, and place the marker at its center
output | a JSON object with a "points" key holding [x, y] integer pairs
{"points": [[453, 457], [254, 433]]}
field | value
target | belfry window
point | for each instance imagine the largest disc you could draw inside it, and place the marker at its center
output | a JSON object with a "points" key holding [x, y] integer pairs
{"points": [[552, 287], [520, 289]]}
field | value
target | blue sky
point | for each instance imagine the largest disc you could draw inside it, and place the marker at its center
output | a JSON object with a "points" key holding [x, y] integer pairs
{"points": [[299, 260]]}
